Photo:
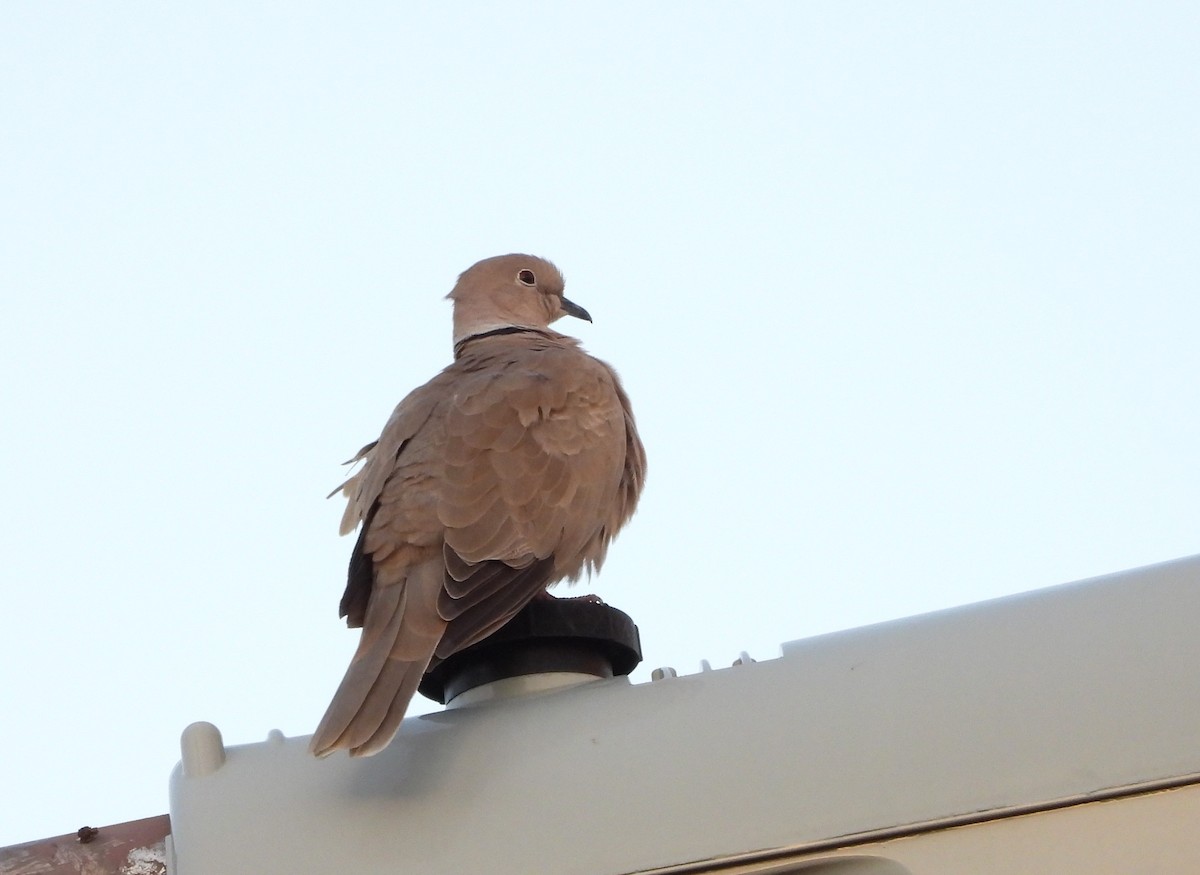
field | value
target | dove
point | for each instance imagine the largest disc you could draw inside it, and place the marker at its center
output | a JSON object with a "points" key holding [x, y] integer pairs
{"points": [[511, 470]]}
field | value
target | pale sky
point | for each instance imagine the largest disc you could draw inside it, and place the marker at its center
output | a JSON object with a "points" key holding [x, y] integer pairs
{"points": [[905, 296]]}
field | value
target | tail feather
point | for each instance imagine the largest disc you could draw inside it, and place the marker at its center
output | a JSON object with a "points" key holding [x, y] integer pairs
{"points": [[407, 677], [383, 676]]}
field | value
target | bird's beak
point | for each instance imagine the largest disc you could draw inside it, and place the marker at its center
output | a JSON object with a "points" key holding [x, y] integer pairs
{"points": [[573, 309]]}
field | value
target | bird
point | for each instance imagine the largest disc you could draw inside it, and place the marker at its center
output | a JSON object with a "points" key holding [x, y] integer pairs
{"points": [[511, 470]]}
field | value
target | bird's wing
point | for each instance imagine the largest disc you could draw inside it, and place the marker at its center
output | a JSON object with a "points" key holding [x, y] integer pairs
{"points": [[404, 456], [534, 456]]}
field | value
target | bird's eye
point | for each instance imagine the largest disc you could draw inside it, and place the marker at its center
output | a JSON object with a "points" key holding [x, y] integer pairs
{"points": [[526, 277]]}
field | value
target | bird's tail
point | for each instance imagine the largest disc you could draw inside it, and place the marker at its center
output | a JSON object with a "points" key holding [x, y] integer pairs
{"points": [[393, 653]]}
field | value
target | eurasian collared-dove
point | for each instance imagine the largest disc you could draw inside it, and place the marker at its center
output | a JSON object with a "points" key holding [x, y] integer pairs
{"points": [[510, 470]]}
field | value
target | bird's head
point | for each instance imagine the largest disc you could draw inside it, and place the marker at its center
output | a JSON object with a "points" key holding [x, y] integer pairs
{"points": [[510, 291]]}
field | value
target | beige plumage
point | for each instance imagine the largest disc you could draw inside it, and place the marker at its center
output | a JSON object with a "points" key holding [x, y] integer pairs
{"points": [[510, 470]]}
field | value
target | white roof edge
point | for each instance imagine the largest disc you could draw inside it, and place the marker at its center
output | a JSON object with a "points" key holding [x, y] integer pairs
{"points": [[1053, 695]]}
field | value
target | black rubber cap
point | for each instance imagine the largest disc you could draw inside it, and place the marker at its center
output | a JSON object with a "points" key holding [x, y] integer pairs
{"points": [[547, 635]]}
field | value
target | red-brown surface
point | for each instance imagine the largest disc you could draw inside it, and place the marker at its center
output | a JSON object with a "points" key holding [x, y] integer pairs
{"points": [[133, 848]]}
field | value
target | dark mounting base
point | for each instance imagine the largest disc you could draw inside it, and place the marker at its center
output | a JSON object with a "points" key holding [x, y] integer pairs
{"points": [[548, 635]]}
